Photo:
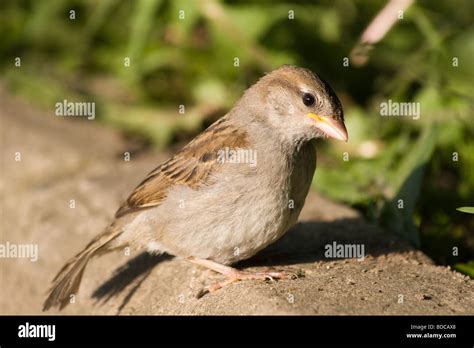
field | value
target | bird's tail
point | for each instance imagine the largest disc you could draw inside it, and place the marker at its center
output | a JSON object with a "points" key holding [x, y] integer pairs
{"points": [[68, 279]]}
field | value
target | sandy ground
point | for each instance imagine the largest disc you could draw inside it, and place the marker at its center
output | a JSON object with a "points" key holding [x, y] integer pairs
{"points": [[64, 160]]}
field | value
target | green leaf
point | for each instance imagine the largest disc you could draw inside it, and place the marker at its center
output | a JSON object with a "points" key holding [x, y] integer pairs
{"points": [[142, 24], [466, 268], [397, 214], [469, 210], [261, 18]]}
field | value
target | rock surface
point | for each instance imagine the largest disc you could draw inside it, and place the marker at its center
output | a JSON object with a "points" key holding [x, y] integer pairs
{"points": [[73, 159]]}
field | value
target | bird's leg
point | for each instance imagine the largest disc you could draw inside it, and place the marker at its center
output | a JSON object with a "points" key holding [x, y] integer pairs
{"points": [[234, 275]]}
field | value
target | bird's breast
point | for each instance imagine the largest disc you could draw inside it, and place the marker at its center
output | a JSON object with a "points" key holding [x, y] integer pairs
{"points": [[249, 206]]}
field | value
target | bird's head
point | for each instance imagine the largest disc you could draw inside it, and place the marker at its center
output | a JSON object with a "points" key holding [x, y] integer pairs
{"points": [[300, 104]]}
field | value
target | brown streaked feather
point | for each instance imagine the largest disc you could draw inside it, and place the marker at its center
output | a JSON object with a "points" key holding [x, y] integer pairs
{"points": [[68, 279], [189, 167]]}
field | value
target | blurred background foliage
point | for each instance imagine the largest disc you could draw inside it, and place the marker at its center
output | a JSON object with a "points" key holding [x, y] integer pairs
{"points": [[184, 53]]}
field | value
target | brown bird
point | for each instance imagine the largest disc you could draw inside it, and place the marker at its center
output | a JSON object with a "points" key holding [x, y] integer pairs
{"points": [[233, 190]]}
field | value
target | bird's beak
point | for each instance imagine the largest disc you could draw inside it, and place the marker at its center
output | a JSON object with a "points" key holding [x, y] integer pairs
{"points": [[331, 127]]}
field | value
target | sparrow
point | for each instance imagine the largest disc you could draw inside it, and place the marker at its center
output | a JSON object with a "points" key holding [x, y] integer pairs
{"points": [[233, 190]]}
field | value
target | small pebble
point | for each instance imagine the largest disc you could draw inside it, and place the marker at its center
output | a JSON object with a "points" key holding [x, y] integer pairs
{"points": [[423, 297]]}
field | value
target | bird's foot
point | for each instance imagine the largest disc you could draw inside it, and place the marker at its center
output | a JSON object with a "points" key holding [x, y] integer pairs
{"points": [[234, 275], [239, 275]]}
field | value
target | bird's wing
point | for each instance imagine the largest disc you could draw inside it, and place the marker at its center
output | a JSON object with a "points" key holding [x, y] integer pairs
{"points": [[190, 167]]}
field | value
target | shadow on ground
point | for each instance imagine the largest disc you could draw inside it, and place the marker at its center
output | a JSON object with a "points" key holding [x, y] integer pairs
{"points": [[134, 271]]}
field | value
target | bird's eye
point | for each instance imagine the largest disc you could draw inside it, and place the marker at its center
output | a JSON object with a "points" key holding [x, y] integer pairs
{"points": [[308, 99]]}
